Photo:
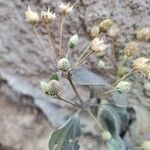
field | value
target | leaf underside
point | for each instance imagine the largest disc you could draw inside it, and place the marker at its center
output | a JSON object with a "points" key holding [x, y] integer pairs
{"points": [[66, 137], [86, 77]]}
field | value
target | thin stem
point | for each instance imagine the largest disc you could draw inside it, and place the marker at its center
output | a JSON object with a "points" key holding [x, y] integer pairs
{"points": [[125, 76], [108, 91], [83, 53], [61, 36], [96, 121], [41, 42], [81, 61], [76, 105], [73, 87], [50, 37], [114, 51]]}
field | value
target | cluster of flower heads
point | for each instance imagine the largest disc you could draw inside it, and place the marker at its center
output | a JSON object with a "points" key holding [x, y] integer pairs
{"points": [[46, 16]]}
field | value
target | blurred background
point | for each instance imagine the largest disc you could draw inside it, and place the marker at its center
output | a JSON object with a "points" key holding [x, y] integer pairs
{"points": [[27, 117]]}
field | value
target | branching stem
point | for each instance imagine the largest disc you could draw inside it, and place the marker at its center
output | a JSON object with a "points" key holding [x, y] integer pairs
{"points": [[60, 98], [96, 121], [73, 87]]}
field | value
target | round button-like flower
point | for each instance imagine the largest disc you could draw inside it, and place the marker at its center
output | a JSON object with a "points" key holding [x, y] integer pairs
{"points": [[65, 9], [47, 16], [130, 48], [53, 87], [113, 31], [123, 87], [44, 86], [64, 64], [143, 34], [142, 65], [98, 45], [106, 24], [31, 16], [106, 136]]}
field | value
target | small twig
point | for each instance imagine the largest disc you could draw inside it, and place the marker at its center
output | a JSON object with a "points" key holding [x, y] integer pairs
{"points": [[83, 53], [61, 34], [50, 37], [40, 40], [73, 87], [96, 121], [81, 61], [76, 105], [109, 91], [125, 76], [114, 51]]}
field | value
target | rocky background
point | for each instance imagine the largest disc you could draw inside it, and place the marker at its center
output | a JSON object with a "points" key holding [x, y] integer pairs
{"points": [[26, 115]]}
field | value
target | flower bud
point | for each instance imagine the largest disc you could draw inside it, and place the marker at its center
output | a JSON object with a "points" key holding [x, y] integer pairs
{"points": [[146, 145], [106, 24], [130, 48], [101, 64], [53, 87], [147, 86], [47, 16], [44, 86], [123, 87], [64, 64], [73, 41], [143, 34], [65, 9], [95, 31], [31, 16], [106, 136]]}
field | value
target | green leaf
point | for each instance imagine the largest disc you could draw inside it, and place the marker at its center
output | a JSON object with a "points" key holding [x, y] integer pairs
{"points": [[113, 118], [66, 137], [116, 144], [86, 77], [54, 77]]}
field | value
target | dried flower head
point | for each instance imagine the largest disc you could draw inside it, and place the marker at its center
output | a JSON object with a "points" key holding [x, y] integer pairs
{"points": [[143, 34], [106, 24], [31, 16], [47, 16], [95, 31], [142, 65], [122, 71], [123, 87], [64, 64], [130, 48], [65, 9], [106, 136], [146, 145], [98, 45], [113, 31]]}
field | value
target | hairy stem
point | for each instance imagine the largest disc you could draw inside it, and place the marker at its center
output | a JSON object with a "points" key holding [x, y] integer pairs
{"points": [[61, 36], [73, 87], [114, 51], [96, 121], [41, 42]]}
